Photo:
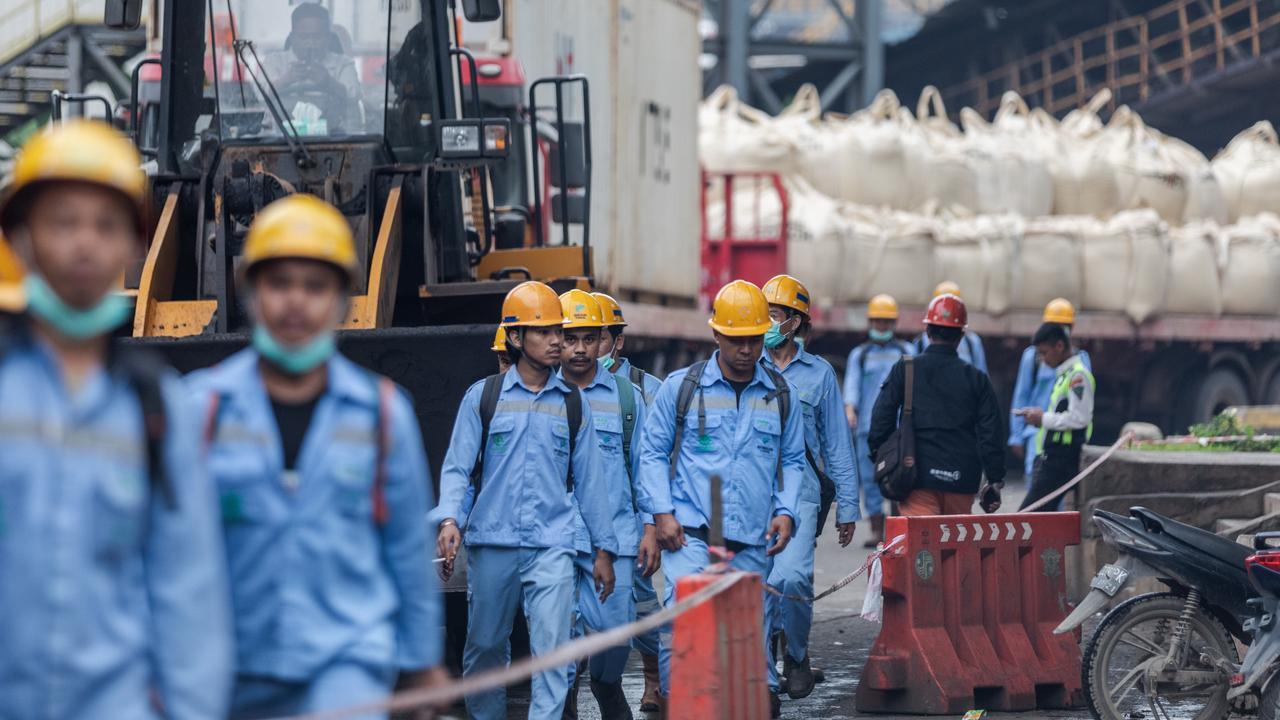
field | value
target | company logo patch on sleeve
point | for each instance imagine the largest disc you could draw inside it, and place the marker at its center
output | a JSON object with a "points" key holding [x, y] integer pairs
{"points": [[1077, 386]]}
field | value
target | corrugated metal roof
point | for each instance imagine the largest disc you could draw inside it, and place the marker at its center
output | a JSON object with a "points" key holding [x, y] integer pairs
{"points": [[816, 21]]}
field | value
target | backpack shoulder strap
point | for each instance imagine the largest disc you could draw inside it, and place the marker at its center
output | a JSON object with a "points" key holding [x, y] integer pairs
{"points": [[144, 373], [909, 367], [386, 395], [636, 377], [573, 412], [781, 391], [627, 410], [684, 398], [488, 406]]}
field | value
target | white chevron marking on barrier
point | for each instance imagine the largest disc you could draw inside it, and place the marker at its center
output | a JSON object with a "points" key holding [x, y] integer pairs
{"points": [[977, 532], [1026, 531], [995, 531], [964, 531], [946, 533], [1009, 532]]}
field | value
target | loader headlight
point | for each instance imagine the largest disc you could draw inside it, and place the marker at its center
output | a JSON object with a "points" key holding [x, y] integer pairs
{"points": [[472, 141]]}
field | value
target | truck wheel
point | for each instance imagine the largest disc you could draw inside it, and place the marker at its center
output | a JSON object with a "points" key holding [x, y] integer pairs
{"points": [[1138, 632], [1221, 389]]}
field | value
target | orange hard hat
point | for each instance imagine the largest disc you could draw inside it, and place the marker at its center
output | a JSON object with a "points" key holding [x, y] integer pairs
{"points": [[580, 310], [740, 310], [1061, 311], [500, 340], [610, 308], [946, 287], [882, 307], [788, 292], [531, 304], [947, 311]]}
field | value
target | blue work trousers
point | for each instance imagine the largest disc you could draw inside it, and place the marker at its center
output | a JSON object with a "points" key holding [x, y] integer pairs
{"points": [[872, 501], [500, 579], [595, 616], [792, 574], [338, 685], [692, 559], [646, 604]]}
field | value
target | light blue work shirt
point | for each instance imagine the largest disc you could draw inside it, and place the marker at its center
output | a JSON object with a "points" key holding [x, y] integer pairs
{"points": [[970, 349], [742, 445], [107, 593], [651, 382], [1032, 389], [606, 413], [314, 577], [826, 434], [524, 501], [863, 378]]}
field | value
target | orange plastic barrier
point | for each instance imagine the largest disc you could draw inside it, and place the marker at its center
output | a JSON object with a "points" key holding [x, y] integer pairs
{"points": [[970, 603], [717, 654]]}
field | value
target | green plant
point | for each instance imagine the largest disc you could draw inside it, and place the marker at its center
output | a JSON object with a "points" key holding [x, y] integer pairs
{"points": [[1222, 425]]}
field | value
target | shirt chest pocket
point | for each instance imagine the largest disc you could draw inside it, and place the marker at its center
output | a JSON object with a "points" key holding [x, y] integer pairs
{"points": [[609, 434], [244, 488], [766, 435], [560, 438], [351, 471], [502, 432], [706, 436], [120, 501]]}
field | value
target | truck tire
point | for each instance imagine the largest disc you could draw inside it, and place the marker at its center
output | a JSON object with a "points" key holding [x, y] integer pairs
{"points": [[1221, 389]]}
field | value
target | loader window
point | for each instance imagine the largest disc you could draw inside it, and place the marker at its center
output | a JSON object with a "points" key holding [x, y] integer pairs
{"points": [[317, 69]]}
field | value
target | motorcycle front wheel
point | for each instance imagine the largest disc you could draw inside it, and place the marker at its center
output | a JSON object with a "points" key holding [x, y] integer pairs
{"points": [[1125, 670]]}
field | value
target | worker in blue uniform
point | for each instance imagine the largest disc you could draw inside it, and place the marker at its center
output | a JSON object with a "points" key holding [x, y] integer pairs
{"points": [[970, 348], [113, 592], [515, 450], [619, 410], [324, 487], [612, 341], [828, 460], [868, 366], [1034, 385], [734, 418]]}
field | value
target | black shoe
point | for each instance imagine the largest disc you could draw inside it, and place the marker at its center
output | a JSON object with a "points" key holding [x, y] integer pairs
{"points": [[775, 705], [613, 702], [799, 678], [819, 677]]}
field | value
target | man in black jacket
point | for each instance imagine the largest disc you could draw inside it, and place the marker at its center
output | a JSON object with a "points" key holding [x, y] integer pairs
{"points": [[957, 421]]}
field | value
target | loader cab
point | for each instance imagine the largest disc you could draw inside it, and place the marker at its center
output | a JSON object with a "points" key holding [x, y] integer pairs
{"points": [[356, 102]]}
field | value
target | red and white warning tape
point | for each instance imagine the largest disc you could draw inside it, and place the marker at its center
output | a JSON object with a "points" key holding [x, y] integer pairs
{"points": [[844, 581]]}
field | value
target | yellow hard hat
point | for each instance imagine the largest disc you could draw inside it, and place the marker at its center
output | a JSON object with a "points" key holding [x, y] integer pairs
{"points": [[85, 151], [581, 310], [531, 304], [946, 287], [500, 340], [301, 226], [740, 310], [609, 309], [882, 307], [788, 292], [1060, 310]]}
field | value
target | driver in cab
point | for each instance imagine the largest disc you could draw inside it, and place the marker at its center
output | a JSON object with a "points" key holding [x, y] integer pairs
{"points": [[316, 80]]}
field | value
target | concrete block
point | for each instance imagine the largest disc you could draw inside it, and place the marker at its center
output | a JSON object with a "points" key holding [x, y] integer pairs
{"points": [[1271, 503]]}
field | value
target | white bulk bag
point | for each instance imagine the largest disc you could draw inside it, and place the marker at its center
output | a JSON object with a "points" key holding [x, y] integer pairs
{"points": [[887, 252], [816, 141], [1194, 284], [1047, 264], [1126, 262], [757, 208], [1147, 172], [815, 241], [1250, 256], [1084, 180], [1012, 176], [976, 253], [1205, 199], [871, 155], [947, 175], [734, 137], [1249, 171]]}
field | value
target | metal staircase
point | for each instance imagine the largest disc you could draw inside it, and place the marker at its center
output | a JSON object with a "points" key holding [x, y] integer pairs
{"points": [[48, 45]]}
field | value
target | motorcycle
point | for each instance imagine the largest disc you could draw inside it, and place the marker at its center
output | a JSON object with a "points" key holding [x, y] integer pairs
{"points": [[1171, 653], [1261, 663]]}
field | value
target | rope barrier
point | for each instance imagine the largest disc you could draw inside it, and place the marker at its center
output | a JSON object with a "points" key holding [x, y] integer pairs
{"points": [[561, 657], [844, 581], [1125, 439]]}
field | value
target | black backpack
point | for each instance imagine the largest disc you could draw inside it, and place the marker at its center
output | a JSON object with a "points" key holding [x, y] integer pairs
{"points": [[489, 406], [692, 383], [143, 373]]}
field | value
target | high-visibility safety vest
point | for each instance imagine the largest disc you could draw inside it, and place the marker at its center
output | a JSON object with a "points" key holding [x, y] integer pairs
{"points": [[1058, 402]]}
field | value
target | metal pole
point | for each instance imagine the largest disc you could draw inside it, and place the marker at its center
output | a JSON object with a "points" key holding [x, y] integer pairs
{"points": [[870, 20], [735, 32], [75, 66]]}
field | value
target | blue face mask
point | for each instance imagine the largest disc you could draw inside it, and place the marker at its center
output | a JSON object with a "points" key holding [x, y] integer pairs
{"points": [[800, 343], [108, 314], [295, 360], [773, 337], [880, 336], [607, 362]]}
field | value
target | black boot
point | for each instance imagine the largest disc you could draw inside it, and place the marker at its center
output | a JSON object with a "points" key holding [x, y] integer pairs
{"points": [[799, 677], [613, 702], [775, 705], [571, 701]]}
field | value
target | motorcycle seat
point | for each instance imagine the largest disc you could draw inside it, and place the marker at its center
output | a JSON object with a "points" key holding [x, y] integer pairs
{"points": [[1227, 551]]}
